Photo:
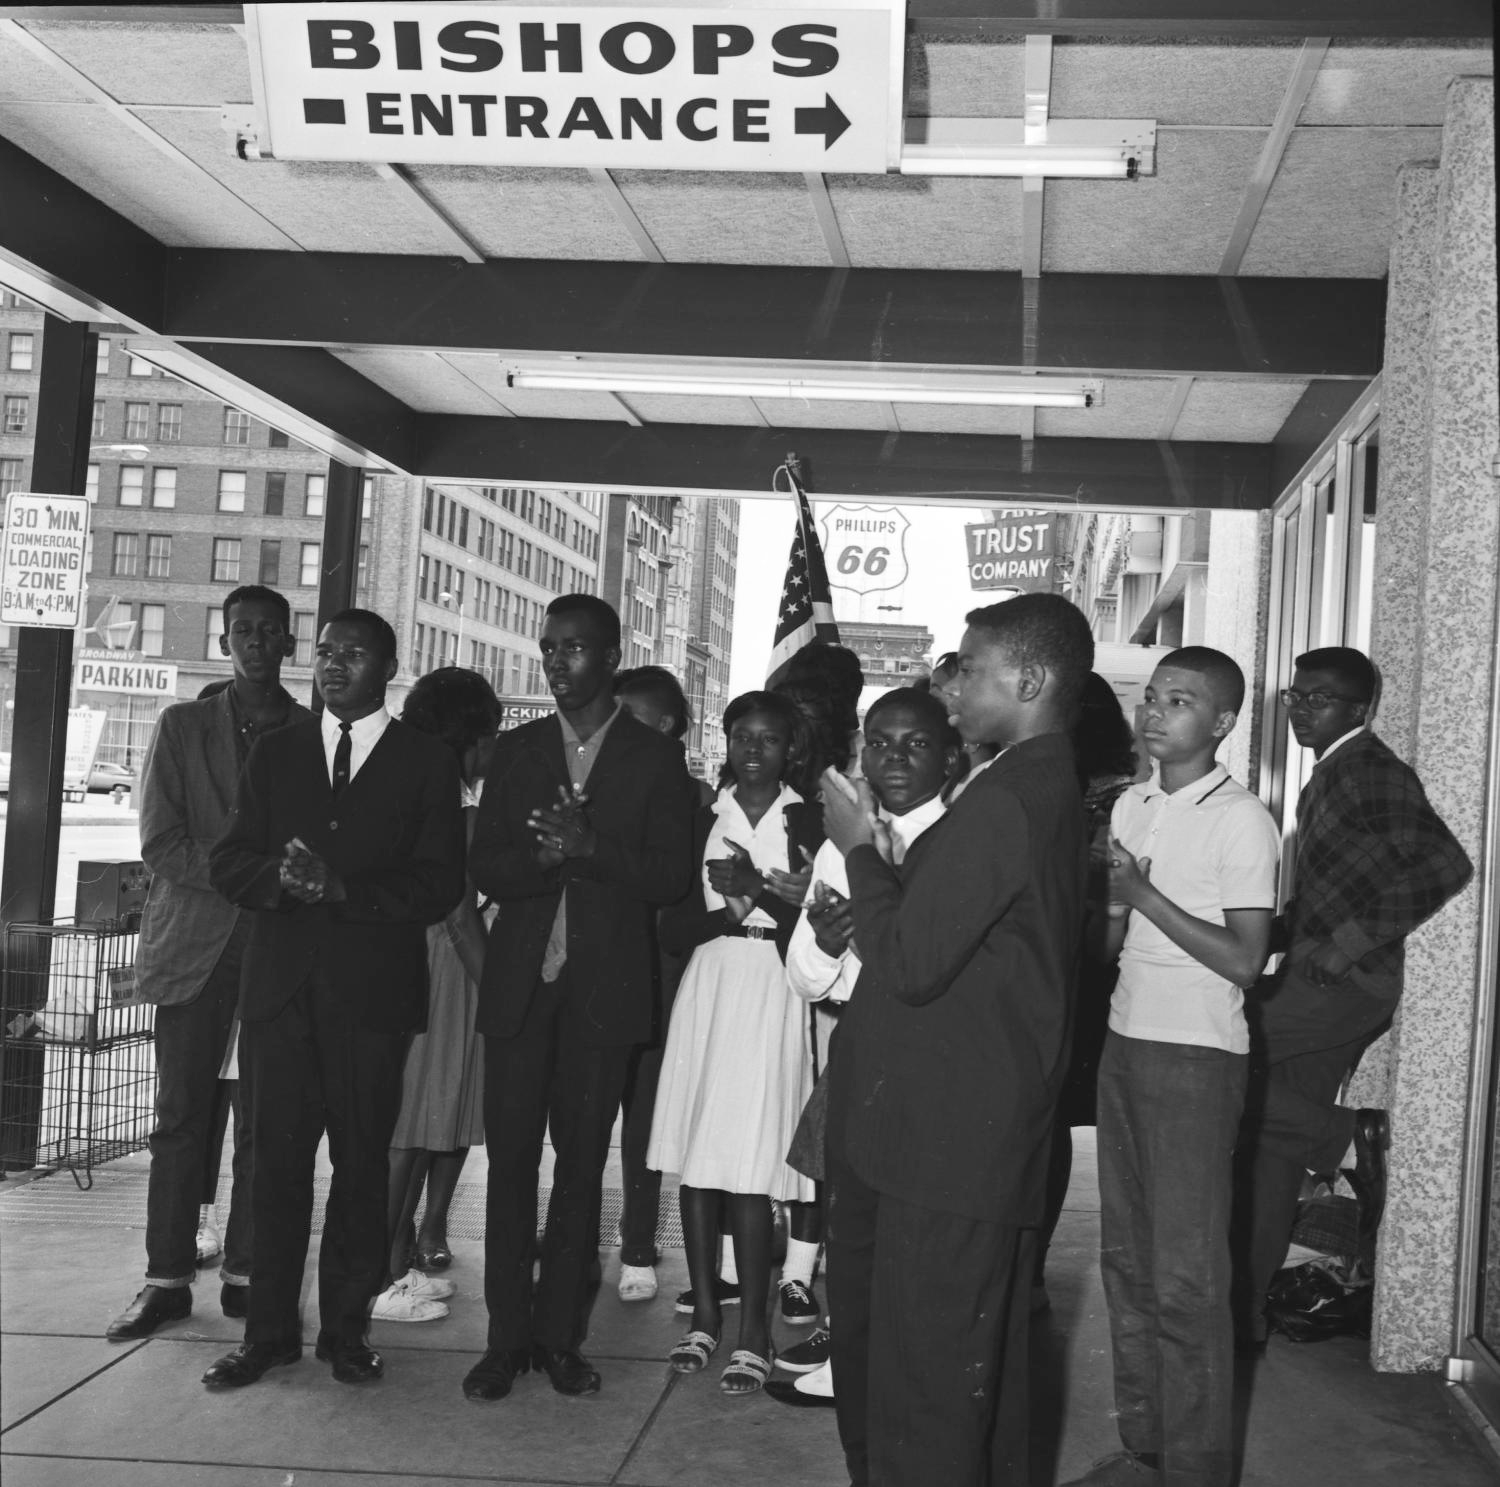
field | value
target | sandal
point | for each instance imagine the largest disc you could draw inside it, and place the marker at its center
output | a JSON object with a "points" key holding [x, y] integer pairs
{"points": [[437, 1257], [692, 1353], [746, 1368]]}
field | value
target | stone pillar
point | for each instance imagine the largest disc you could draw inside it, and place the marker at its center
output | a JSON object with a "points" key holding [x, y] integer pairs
{"points": [[1435, 628], [1236, 603]]}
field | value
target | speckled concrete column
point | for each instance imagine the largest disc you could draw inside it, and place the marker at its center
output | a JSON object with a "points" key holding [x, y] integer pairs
{"points": [[1436, 595], [1235, 616]]}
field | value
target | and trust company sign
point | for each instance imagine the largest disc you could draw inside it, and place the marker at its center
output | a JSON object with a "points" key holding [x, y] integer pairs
{"points": [[748, 86], [1016, 551]]}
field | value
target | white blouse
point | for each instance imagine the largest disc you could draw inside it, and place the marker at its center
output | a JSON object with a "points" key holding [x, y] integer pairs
{"points": [[766, 843]]}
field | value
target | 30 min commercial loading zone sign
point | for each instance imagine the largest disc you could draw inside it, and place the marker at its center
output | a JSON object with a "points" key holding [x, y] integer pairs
{"points": [[742, 87], [42, 557]]}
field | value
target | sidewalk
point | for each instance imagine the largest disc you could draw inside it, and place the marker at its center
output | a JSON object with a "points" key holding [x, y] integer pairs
{"points": [[80, 1412]]}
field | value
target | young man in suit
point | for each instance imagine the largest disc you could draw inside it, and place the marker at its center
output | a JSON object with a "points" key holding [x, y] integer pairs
{"points": [[347, 839], [1374, 860], [188, 961], [584, 829], [947, 1068]]}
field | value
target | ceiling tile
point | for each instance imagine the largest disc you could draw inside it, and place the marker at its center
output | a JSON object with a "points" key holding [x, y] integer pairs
{"points": [[174, 203], [1175, 222], [1395, 83], [326, 207], [1132, 409], [664, 408], [944, 418], [717, 217], [515, 213], [950, 222], [1331, 211], [825, 413], [1236, 412], [1206, 82], [191, 63], [423, 381], [25, 78], [950, 78]]}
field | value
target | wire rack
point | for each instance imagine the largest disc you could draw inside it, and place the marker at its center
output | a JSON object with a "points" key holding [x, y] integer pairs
{"points": [[77, 1066]]}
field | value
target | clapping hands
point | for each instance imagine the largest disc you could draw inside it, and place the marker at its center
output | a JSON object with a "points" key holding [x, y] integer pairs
{"points": [[563, 831]]}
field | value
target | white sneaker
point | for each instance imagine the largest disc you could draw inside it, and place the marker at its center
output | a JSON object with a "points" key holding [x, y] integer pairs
{"points": [[397, 1304], [427, 1287], [210, 1241], [637, 1282]]}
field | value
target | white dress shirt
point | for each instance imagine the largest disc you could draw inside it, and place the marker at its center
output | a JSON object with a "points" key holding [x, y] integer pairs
{"points": [[364, 734]]}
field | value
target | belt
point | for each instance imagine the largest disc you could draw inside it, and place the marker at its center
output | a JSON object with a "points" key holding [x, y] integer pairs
{"points": [[748, 932]]}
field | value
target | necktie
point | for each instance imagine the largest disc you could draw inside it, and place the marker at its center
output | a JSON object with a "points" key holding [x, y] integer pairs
{"points": [[342, 750]]}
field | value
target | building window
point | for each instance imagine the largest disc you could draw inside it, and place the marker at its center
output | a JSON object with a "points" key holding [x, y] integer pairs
{"points": [[153, 628], [139, 368], [463, 527], [424, 565], [367, 498], [126, 553], [132, 485], [231, 490], [278, 440], [226, 560], [308, 564], [164, 488], [10, 476], [304, 627], [101, 361], [236, 426], [362, 572], [452, 519], [158, 556], [169, 423], [213, 628], [137, 420], [427, 499], [91, 488], [317, 488], [22, 351], [528, 505], [275, 492], [270, 561], [97, 429], [15, 414]]}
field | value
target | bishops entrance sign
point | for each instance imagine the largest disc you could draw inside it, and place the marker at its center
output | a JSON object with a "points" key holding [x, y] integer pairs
{"points": [[747, 86]]}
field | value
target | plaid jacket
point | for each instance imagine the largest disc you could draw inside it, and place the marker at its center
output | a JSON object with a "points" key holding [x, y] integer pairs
{"points": [[1373, 861]]}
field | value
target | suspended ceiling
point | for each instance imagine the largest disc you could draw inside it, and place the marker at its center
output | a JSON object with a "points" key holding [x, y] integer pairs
{"points": [[375, 309]]}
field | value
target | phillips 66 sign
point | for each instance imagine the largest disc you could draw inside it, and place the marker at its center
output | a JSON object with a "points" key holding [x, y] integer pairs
{"points": [[865, 547]]}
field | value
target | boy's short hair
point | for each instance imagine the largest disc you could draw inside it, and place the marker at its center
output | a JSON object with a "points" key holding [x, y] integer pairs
{"points": [[924, 705], [258, 593], [1354, 669], [657, 683], [378, 626], [1046, 629], [1225, 679], [597, 609]]}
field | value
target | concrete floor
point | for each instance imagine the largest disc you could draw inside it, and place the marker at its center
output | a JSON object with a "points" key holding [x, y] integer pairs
{"points": [[77, 1411]]}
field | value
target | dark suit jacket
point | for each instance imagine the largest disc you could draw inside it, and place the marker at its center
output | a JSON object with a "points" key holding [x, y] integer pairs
{"points": [[689, 924], [641, 804], [954, 1046], [395, 836], [187, 791]]}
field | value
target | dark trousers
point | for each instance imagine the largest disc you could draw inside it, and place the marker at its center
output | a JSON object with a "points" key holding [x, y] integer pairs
{"points": [[191, 1039], [929, 1329], [545, 1075], [1168, 1115], [642, 1197], [1304, 1040], [315, 1067]]}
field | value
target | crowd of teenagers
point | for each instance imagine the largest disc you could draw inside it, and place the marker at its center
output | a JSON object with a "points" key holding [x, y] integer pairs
{"points": [[869, 983]]}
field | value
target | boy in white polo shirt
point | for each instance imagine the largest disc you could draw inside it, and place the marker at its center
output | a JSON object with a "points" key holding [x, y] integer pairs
{"points": [[1192, 873]]}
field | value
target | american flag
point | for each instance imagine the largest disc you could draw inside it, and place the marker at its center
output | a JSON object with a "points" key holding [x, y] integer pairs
{"points": [[806, 612]]}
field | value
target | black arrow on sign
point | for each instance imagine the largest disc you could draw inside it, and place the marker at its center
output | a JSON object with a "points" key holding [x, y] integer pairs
{"points": [[829, 121]]}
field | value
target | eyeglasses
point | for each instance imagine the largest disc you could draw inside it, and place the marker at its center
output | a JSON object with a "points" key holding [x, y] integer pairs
{"points": [[1313, 701]]}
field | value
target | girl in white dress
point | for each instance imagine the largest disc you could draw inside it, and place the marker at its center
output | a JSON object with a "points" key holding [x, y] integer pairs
{"points": [[737, 1068]]}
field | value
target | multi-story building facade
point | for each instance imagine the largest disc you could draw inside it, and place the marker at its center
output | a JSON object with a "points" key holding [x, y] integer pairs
{"points": [[891, 655], [711, 602], [637, 559]]}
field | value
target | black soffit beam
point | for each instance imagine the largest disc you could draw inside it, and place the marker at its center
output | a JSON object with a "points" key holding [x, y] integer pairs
{"points": [[1146, 324], [1349, 18], [967, 469]]}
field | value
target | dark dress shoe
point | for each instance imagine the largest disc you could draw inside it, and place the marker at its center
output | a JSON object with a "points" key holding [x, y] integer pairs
{"points": [[1372, 1135], [492, 1377], [570, 1371], [235, 1300], [785, 1393], [353, 1362], [248, 1362], [155, 1306]]}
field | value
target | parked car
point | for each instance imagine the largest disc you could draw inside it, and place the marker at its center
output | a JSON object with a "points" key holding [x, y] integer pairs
{"points": [[105, 776]]}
